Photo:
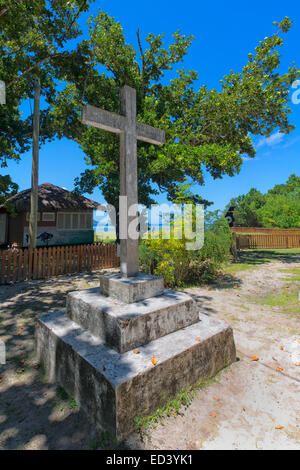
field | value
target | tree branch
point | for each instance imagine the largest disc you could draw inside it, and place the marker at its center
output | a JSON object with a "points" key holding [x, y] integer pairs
{"points": [[37, 64], [46, 59], [5, 9], [143, 62]]}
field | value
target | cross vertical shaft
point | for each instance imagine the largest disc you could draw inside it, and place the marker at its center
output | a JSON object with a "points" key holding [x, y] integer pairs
{"points": [[129, 131], [129, 248]]}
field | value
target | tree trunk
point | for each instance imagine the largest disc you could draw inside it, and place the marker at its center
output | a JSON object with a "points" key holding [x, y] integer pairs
{"points": [[35, 166]]}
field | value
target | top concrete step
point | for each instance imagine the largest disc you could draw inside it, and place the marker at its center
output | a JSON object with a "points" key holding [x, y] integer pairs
{"points": [[126, 326], [131, 289]]}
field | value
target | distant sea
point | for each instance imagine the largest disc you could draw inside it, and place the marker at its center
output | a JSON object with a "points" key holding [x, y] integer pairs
{"points": [[110, 228]]}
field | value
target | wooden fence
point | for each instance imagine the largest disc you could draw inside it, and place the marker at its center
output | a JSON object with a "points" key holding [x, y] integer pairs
{"points": [[264, 230], [23, 264], [278, 240]]}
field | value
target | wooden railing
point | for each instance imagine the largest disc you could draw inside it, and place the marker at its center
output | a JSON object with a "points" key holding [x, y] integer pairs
{"points": [[264, 230], [23, 264], [278, 240]]}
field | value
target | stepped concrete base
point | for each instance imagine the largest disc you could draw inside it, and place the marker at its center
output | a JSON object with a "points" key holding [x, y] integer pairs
{"points": [[125, 326], [115, 388], [131, 289]]}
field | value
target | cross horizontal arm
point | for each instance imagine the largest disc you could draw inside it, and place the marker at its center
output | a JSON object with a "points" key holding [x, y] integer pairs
{"points": [[150, 134], [106, 120], [116, 123]]}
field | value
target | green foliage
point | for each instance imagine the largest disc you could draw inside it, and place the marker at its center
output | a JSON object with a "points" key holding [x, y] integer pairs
{"points": [[205, 129], [279, 207], [106, 442], [179, 266], [184, 195], [73, 403], [175, 406], [33, 34], [246, 208], [61, 393], [7, 188], [281, 211]]}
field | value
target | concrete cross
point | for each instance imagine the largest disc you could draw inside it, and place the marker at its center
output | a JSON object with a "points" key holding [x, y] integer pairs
{"points": [[130, 130]]}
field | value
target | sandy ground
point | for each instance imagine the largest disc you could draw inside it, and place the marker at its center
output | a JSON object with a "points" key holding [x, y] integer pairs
{"points": [[248, 400]]}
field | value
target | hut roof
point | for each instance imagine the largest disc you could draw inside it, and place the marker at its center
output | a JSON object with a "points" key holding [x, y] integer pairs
{"points": [[51, 198]]}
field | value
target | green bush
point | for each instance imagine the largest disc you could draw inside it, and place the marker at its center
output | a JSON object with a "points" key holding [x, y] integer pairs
{"points": [[178, 266]]}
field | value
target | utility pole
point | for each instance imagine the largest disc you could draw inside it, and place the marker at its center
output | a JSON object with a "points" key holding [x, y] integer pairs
{"points": [[35, 165]]}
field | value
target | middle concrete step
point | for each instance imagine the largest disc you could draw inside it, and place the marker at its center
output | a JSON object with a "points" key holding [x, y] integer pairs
{"points": [[126, 326]]}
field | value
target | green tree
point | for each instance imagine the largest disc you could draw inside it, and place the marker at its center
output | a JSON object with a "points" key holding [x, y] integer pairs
{"points": [[184, 195], [246, 208], [7, 188], [32, 41], [291, 187], [205, 129], [280, 211], [279, 207]]}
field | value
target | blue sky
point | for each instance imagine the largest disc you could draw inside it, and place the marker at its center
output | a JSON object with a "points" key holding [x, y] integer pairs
{"points": [[225, 32]]}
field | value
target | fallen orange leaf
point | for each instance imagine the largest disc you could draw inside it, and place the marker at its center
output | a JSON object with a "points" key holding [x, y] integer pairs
{"points": [[278, 427], [217, 399], [254, 358], [198, 339], [19, 332], [22, 327], [153, 360], [281, 348], [136, 351], [280, 369], [235, 287], [213, 415]]}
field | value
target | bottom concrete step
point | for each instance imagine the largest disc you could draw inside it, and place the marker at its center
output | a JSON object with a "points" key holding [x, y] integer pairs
{"points": [[115, 388]]}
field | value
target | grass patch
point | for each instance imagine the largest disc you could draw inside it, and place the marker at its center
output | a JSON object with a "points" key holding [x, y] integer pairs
{"points": [[73, 403], [285, 299], [175, 406], [288, 297], [295, 274], [106, 442], [249, 259], [105, 237], [233, 268], [262, 256], [63, 396]]}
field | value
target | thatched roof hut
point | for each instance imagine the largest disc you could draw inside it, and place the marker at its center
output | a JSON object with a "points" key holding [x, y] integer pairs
{"points": [[51, 198], [63, 218]]}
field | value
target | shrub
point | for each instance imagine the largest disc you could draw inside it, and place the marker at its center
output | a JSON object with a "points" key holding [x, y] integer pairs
{"points": [[178, 266]]}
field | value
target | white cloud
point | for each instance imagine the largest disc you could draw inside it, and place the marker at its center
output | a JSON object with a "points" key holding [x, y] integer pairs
{"points": [[248, 159], [274, 139]]}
